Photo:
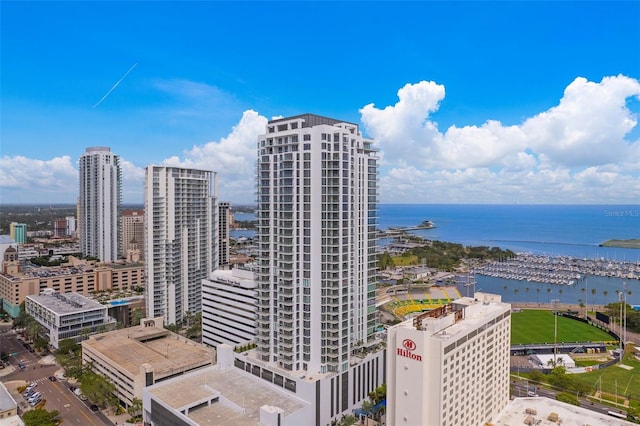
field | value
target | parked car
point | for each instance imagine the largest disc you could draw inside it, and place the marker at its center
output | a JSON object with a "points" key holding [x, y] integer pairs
{"points": [[34, 397], [36, 400], [52, 378], [94, 408]]}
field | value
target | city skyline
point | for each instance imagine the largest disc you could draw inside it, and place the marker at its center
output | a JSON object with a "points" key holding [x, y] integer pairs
{"points": [[467, 102]]}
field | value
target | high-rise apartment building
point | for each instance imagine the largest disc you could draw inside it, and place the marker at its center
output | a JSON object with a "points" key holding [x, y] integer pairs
{"points": [[450, 366], [131, 231], [316, 267], [181, 245], [99, 201], [18, 232]]}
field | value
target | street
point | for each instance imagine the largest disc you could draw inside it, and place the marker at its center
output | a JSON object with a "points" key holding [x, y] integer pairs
{"points": [[56, 394]]}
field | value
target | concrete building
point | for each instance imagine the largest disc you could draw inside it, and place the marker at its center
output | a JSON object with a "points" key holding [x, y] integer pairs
{"points": [[180, 238], [229, 307], [136, 357], [76, 276], [8, 408], [224, 216], [60, 228], [18, 232], [67, 316], [317, 269], [222, 395], [551, 412], [132, 232], [99, 201], [450, 366], [316, 264]]}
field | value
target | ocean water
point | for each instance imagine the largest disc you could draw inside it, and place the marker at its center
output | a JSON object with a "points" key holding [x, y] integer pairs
{"points": [[569, 230], [554, 230]]}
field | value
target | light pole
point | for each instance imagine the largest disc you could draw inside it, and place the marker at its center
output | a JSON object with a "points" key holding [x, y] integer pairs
{"points": [[555, 331]]}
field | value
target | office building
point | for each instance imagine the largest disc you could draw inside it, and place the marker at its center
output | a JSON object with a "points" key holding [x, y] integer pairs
{"points": [[229, 307], [67, 316], [450, 366], [132, 232], [224, 214], [317, 214], [18, 232], [135, 357], [99, 201], [181, 245]]}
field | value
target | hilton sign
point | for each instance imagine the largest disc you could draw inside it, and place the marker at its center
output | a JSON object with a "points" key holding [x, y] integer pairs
{"points": [[407, 350]]}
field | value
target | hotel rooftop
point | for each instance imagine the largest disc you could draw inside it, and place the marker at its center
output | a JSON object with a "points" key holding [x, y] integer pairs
{"points": [[541, 411]]}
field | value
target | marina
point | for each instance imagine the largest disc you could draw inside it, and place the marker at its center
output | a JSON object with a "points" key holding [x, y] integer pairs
{"points": [[558, 270]]}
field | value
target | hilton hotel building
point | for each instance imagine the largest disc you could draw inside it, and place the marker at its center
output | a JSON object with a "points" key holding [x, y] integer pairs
{"points": [[450, 366]]}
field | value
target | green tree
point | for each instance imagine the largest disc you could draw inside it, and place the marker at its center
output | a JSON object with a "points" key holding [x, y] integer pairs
{"points": [[97, 388], [136, 316], [135, 409], [40, 343], [40, 417], [386, 261]]}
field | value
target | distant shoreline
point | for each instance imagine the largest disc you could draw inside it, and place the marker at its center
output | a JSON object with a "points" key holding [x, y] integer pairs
{"points": [[633, 243]]}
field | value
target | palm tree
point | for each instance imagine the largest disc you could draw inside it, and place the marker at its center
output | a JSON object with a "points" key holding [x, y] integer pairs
{"points": [[560, 292], [538, 295], [593, 292], [606, 293], [505, 288], [549, 291]]}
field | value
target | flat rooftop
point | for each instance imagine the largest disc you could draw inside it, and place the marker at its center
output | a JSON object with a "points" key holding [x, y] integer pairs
{"points": [[66, 303], [515, 413], [6, 400], [477, 310], [240, 389], [166, 352]]}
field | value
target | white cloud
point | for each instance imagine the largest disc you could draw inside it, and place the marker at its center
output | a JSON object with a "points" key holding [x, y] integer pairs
{"points": [[26, 180], [233, 158], [577, 151]]}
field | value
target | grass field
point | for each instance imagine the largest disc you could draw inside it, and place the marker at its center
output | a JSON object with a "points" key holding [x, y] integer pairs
{"points": [[531, 326]]}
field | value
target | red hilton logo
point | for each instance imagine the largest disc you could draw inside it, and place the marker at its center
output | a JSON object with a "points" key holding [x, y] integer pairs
{"points": [[407, 351]]}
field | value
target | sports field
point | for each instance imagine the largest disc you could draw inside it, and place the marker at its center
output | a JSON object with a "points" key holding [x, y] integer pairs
{"points": [[532, 326]]}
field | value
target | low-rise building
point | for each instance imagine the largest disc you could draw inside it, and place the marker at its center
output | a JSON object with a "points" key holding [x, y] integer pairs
{"points": [[136, 357], [8, 409], [222, 395], [78, 276], [67, 316], [541, 411]]}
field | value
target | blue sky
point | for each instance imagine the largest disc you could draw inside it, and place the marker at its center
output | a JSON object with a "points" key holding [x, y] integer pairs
{"points": [[468, 102]]}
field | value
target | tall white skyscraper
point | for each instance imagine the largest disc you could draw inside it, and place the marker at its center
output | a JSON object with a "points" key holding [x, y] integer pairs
{"points": [[181, 244], [317, 268], [98, 203]]}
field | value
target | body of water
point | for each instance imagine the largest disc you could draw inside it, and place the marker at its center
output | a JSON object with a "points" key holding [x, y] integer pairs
{"points": [[554, 230], [573, 230]]}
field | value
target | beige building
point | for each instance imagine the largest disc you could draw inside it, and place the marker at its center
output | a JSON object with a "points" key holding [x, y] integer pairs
{"points": [[76, 276], [132, 232], [136, 357]]}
